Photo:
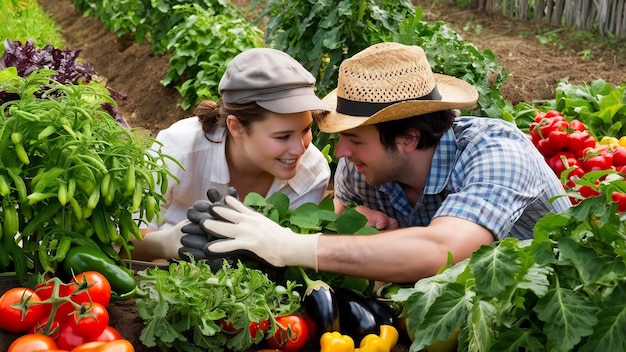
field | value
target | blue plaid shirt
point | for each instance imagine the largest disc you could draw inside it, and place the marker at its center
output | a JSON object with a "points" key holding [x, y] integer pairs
{"points": [[484, 170]]}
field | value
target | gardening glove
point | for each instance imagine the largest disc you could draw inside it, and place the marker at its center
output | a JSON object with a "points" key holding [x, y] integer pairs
{"points": [[240, 229], [160, 244]]}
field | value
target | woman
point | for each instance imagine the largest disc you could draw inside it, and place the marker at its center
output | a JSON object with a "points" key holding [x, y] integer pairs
{"points": [[257, 139]]}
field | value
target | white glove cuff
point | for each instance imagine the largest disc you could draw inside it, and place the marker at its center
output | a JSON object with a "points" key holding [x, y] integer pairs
{"points": [[303, 251]]}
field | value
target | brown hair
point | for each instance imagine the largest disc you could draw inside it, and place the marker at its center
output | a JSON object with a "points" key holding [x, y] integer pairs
{"points": [[432, 127], [212, 114]]}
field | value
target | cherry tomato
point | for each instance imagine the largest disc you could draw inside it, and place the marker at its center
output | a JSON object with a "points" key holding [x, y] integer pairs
{"points": [[32, 343], [13, 302], [294, 337], [91, 321], [109, 334], [256, 328], [91, 286]]}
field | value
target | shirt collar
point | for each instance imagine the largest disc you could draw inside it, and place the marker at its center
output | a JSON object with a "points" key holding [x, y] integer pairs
{"points": [[442, 164]]}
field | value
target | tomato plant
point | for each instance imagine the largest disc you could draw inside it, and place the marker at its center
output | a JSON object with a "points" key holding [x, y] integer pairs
{"points": [[18, 309], [91, 286], [293, 335], [32, 343], [91, 320]]}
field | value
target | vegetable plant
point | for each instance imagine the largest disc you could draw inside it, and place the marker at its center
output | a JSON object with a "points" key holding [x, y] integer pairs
{"points": [[145, 19], [69, 173], [561, 291], [191, 308], [321, 34], [201, 46]]}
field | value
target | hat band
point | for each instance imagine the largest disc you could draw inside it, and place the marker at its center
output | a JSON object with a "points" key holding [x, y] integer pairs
{"points": [[366, 108]]}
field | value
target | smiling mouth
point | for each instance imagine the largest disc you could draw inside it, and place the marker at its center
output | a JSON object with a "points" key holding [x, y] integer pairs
{"points": [[288, 161]]}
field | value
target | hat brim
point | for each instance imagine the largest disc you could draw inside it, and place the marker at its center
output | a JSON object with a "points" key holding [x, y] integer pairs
{"points": [[455, 94], [294, 103]]}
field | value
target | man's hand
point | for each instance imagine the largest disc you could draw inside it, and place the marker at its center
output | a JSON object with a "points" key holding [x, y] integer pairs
{"points": [[241, 229], [378, 219]]}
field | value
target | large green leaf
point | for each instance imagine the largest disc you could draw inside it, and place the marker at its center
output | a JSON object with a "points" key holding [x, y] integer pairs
{"points": [[568, 315]]}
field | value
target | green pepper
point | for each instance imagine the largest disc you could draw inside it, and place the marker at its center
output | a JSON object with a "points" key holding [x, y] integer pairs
{"points": [[80, 259]]}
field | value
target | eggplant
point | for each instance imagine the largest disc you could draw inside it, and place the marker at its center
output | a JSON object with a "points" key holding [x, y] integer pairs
{"points": [[384, 313], [356, 316], [320, 308]]}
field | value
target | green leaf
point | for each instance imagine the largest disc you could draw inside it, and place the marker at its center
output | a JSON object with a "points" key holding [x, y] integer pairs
{"points": [[517, 339], [483, 317], [495, 267], [568, 315], [449, 311], [350, 221], [585, 260], [609, 332]]}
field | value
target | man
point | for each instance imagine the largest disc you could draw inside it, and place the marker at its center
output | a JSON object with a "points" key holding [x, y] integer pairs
{"points": [[451, 184]]}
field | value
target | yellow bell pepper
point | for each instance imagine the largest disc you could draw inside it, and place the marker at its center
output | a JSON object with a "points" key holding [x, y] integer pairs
{"points": [[336, 342], [389, 334], [372, 343], [384, 342]]}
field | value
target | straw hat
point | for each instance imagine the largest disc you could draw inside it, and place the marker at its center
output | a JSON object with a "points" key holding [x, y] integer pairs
{"points": [[391, 81]]}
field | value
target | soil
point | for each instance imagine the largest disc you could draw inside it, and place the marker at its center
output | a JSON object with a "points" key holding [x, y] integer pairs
{"points": [[535, 70]]}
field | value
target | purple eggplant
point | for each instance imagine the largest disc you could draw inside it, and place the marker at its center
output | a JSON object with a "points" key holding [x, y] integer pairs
{"points": [[320, 308]]}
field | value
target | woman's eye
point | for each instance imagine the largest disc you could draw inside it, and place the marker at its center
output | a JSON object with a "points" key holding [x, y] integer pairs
{"points": [[283, 138]]}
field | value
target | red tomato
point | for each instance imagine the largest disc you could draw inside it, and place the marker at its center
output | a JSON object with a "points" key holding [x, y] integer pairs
{"points": [[44, 291], [553, 113], [293, 337], [261, 327], [619, 156], [121, 345], [620, 199], [109, 334], [577, 125], [588, 191], [69, 338], [13, 302], [91, 286], [40, 328], [598, 162], [32, 343], [91, 321]]}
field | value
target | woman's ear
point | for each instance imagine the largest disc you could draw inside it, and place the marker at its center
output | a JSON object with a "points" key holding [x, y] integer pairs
{"points": [[234, 126]]}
